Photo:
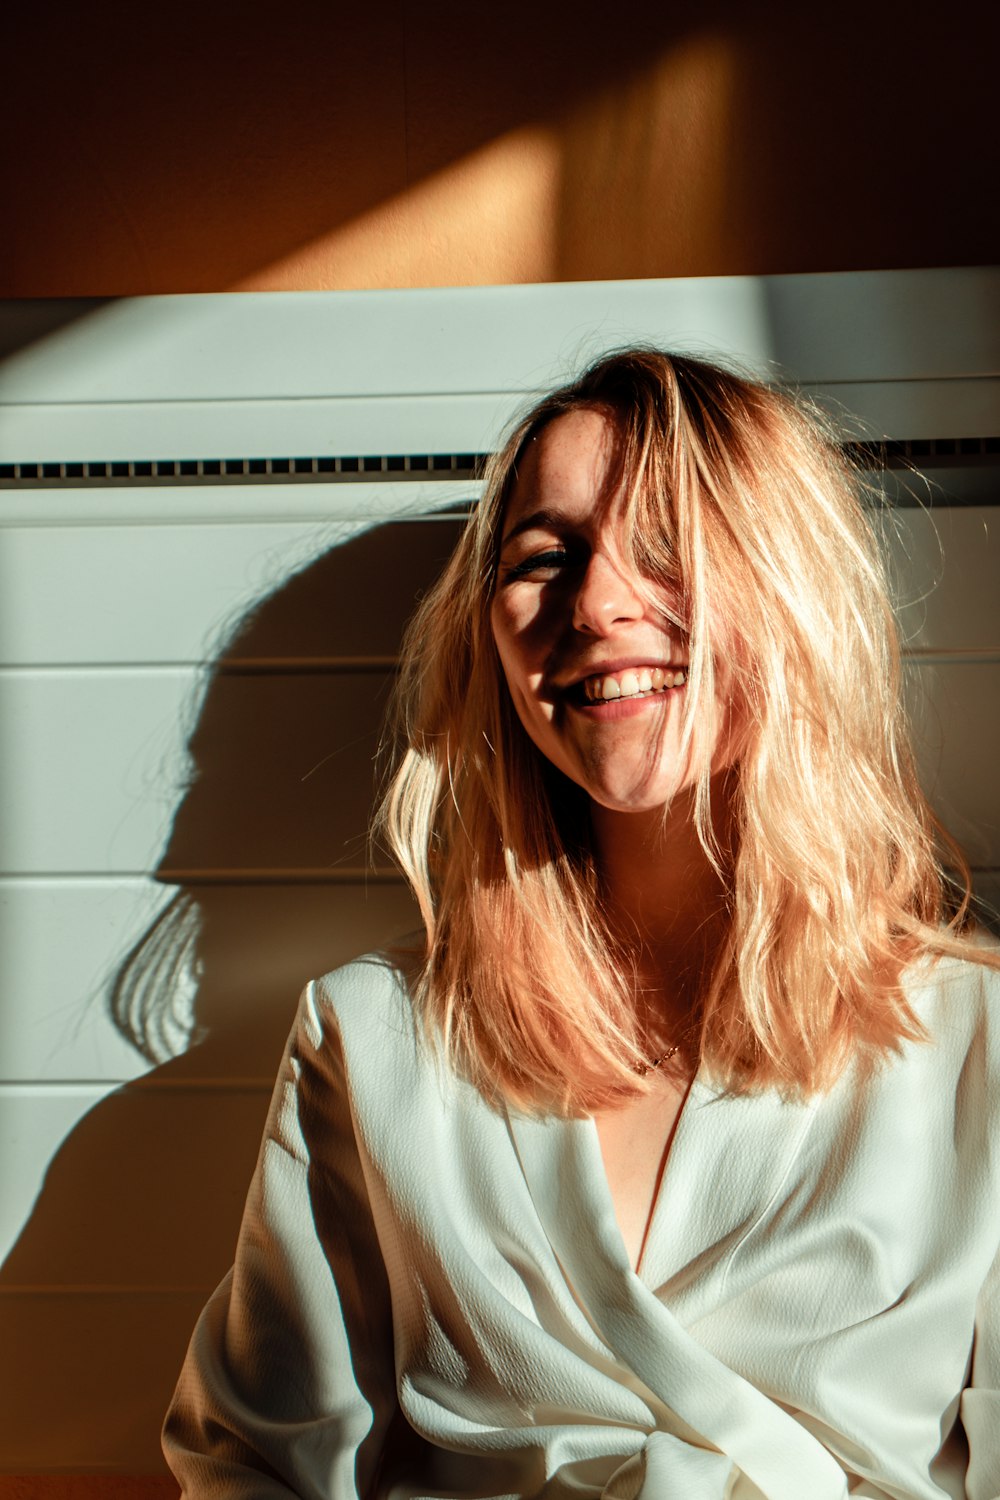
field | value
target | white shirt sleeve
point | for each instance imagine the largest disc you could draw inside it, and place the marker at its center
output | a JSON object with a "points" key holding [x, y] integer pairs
{"points": [[289, 1386]]}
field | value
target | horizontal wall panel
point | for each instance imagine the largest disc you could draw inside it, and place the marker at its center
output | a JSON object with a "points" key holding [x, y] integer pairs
{"points": [[956, 713], [383, 344], [33, 1127], [871, 410], [285, 774], [284, 769], [174, 593], [92, 766], [311, 427], [125, 1177], [279, 770], [94, 594], [256, 947], [252, 947], [863, 325], [86, 1381], [445, 370], [873, 325], [354, 501], [945, 566], [180, 593], [60, 941]]}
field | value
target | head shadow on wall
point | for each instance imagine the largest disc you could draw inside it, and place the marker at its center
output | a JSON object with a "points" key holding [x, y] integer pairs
{"points": [[268, 855]]}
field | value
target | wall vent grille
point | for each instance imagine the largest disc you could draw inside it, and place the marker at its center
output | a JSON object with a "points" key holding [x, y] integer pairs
{"points": [[173, 471], [393, 468]]}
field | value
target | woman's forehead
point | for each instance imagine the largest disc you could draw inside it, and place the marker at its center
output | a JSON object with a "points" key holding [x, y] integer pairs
{"points": [[567, 470]]}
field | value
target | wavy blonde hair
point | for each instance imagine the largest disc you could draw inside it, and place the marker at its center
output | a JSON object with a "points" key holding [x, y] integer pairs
{"points": [[736, 491]]}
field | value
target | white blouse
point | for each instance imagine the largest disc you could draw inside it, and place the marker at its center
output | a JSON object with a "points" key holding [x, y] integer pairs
{"points": [[432, 1299]]}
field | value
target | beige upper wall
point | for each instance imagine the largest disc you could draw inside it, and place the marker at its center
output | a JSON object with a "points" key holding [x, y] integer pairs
{"points": [[432, 142]]}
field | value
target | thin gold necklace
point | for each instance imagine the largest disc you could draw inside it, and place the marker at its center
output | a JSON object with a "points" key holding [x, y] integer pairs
{"points": [[657, 1062]]}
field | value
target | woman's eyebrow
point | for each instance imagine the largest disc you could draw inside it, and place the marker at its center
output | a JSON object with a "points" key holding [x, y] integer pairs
{"points": [[538, 519]]}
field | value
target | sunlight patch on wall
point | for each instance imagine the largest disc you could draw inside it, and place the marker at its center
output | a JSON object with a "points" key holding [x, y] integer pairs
{"points": [[489, 217], [637, 182], [647, 170]]}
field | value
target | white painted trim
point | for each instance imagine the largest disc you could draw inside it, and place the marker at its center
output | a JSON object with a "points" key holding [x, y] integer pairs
{"points": [[441, 370]]}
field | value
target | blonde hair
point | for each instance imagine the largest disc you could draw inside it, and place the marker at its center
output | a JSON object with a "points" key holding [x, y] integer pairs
{"points": [[737, 493]]}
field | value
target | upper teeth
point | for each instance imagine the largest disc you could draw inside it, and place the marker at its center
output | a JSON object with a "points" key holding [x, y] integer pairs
{"points": [[629, 684]]}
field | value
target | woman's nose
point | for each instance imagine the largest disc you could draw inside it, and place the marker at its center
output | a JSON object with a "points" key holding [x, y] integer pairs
{"points": [[607, 596]]}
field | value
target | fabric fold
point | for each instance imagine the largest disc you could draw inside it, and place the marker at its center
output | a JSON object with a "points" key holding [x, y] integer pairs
{"points": [[667, 1468], [703, 1403]]}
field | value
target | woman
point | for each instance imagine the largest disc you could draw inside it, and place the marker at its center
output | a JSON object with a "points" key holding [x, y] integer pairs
{"points": [[669, 1166]]}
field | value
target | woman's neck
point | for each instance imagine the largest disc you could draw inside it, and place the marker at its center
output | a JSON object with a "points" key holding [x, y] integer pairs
{"points": [[667, 902]]}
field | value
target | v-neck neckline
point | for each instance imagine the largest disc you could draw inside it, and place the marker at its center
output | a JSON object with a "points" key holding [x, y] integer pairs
{"points": [[562, 1163], [602, 1181], [729, 1154]]}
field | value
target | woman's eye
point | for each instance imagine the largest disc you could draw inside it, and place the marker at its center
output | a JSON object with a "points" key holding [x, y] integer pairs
{"points": [[539, 562]]}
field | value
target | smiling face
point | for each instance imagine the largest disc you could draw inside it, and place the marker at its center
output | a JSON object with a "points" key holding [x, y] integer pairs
{"points": [[596, 670]]}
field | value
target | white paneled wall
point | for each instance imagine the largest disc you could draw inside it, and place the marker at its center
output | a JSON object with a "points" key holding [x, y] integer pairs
{"points": [[191, 684], [143, 775]]}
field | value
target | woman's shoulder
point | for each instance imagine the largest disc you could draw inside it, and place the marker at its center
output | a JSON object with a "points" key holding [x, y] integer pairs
{"points": [[375, 978], [370, 992], [360, 1016], [961, 984], [368, 1043], [957, 1000]]}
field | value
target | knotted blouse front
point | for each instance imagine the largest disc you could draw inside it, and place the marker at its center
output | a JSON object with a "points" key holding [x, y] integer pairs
{"points": [[431, 1297]]}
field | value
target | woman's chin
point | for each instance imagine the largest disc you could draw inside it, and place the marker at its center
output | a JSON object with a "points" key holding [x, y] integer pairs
{"points": [[636, 801]]}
